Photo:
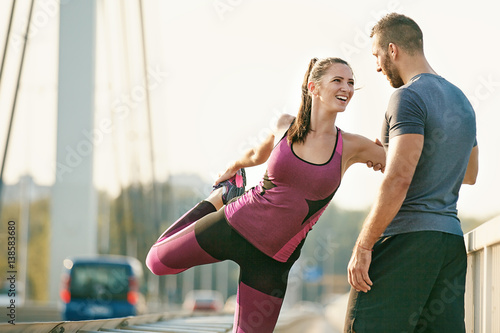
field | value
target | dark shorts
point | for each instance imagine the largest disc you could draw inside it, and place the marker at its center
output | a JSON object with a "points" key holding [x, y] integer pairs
{"points": [[418, 286]]}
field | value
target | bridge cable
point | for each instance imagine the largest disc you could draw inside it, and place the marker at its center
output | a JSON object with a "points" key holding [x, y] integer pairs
{"points": [[14, 103]]}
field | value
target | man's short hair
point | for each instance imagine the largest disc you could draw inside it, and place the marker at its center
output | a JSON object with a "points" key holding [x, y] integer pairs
{"points": [[400, 30]]}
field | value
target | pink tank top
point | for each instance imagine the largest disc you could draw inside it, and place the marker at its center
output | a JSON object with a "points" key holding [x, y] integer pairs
{"points": [[276, 215]]}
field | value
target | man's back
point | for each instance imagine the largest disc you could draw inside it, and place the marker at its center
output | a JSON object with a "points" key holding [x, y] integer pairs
{"points": [[431, 106]]}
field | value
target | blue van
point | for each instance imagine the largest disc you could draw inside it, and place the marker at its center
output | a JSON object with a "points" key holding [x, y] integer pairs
{"points": [[100, 287]]}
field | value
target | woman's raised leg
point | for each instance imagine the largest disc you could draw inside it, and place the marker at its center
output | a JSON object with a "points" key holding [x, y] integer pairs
{"points": [[178, 252], [197, 212], [177, 249], [220, 195]]}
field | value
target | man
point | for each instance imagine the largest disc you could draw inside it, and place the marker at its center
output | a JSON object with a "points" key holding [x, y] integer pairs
{"points": [[408, 266]]}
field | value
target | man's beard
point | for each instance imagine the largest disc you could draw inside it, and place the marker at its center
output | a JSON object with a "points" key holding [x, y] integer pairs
{"points": [[392, 74]]}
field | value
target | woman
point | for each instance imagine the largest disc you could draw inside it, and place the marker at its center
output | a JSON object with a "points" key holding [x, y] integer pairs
{"points": [[263, 230]]}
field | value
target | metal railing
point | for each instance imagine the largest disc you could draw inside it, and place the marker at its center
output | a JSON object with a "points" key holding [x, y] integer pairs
{"points": [[179, 322], [482, 287], [482, 300], [290, 321]]}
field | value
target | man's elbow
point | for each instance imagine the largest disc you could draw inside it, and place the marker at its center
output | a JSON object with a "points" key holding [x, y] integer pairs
{"points": [[469, 180], [472, 168], [399, 183]]}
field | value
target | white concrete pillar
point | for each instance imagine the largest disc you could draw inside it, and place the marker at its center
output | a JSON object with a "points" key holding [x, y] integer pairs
{"points": [[74, 213]]}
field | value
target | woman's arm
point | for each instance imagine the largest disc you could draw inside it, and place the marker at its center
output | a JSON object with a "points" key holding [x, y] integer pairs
{"points": [[252, 157], [259, 154], [359, 149]]}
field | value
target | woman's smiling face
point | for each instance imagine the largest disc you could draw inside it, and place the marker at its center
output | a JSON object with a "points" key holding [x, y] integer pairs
{"points": [[335, 88]]}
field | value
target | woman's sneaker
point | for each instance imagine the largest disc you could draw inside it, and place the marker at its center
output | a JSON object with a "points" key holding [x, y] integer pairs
{"points": [[233, 187]]}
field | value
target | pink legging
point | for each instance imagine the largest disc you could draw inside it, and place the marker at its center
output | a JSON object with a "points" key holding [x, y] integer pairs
{"points": [[203, 236]]}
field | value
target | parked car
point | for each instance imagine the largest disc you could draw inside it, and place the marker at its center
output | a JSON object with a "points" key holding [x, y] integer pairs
{"points": [[203, 300], [101, 287]]}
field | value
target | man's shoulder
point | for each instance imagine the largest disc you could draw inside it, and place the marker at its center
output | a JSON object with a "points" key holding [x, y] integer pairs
{"points": [[427, 82], [421, 86], [405, 94]]}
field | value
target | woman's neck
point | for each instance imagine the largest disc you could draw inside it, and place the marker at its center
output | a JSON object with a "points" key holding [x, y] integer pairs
{"points": [[322, 121]]}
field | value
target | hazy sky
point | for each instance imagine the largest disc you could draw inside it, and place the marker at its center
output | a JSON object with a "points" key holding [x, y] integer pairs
{"points": [[220, 72]]}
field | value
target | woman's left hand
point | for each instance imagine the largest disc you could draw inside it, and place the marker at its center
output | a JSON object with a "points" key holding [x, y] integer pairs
{"points": [[230, 172], [378, 166]]}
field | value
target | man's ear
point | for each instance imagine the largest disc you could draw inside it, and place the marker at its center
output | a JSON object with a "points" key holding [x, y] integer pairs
{"points": [[392, 51]]}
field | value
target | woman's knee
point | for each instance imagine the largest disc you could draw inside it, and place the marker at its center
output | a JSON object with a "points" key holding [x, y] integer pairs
{"points": [[177, 253]]}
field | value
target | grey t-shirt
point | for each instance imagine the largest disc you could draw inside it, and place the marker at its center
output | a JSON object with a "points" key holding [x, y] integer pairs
{"points": [[431, 106]]}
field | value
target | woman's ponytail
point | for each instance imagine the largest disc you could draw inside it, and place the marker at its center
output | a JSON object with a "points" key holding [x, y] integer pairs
{"points": [[300, 127]]}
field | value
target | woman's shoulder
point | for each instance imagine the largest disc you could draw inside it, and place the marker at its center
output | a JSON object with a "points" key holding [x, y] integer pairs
{"points": [[353, 137], [282, 126], [284, 122]]}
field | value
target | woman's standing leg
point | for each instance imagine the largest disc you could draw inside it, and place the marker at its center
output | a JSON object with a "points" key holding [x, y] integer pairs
{"points": [[261, 290], [263, 280], [256, 311]]}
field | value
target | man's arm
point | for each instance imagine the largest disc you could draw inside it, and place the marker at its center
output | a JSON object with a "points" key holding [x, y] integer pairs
{"points": [[403, 155], [472, 167]]}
